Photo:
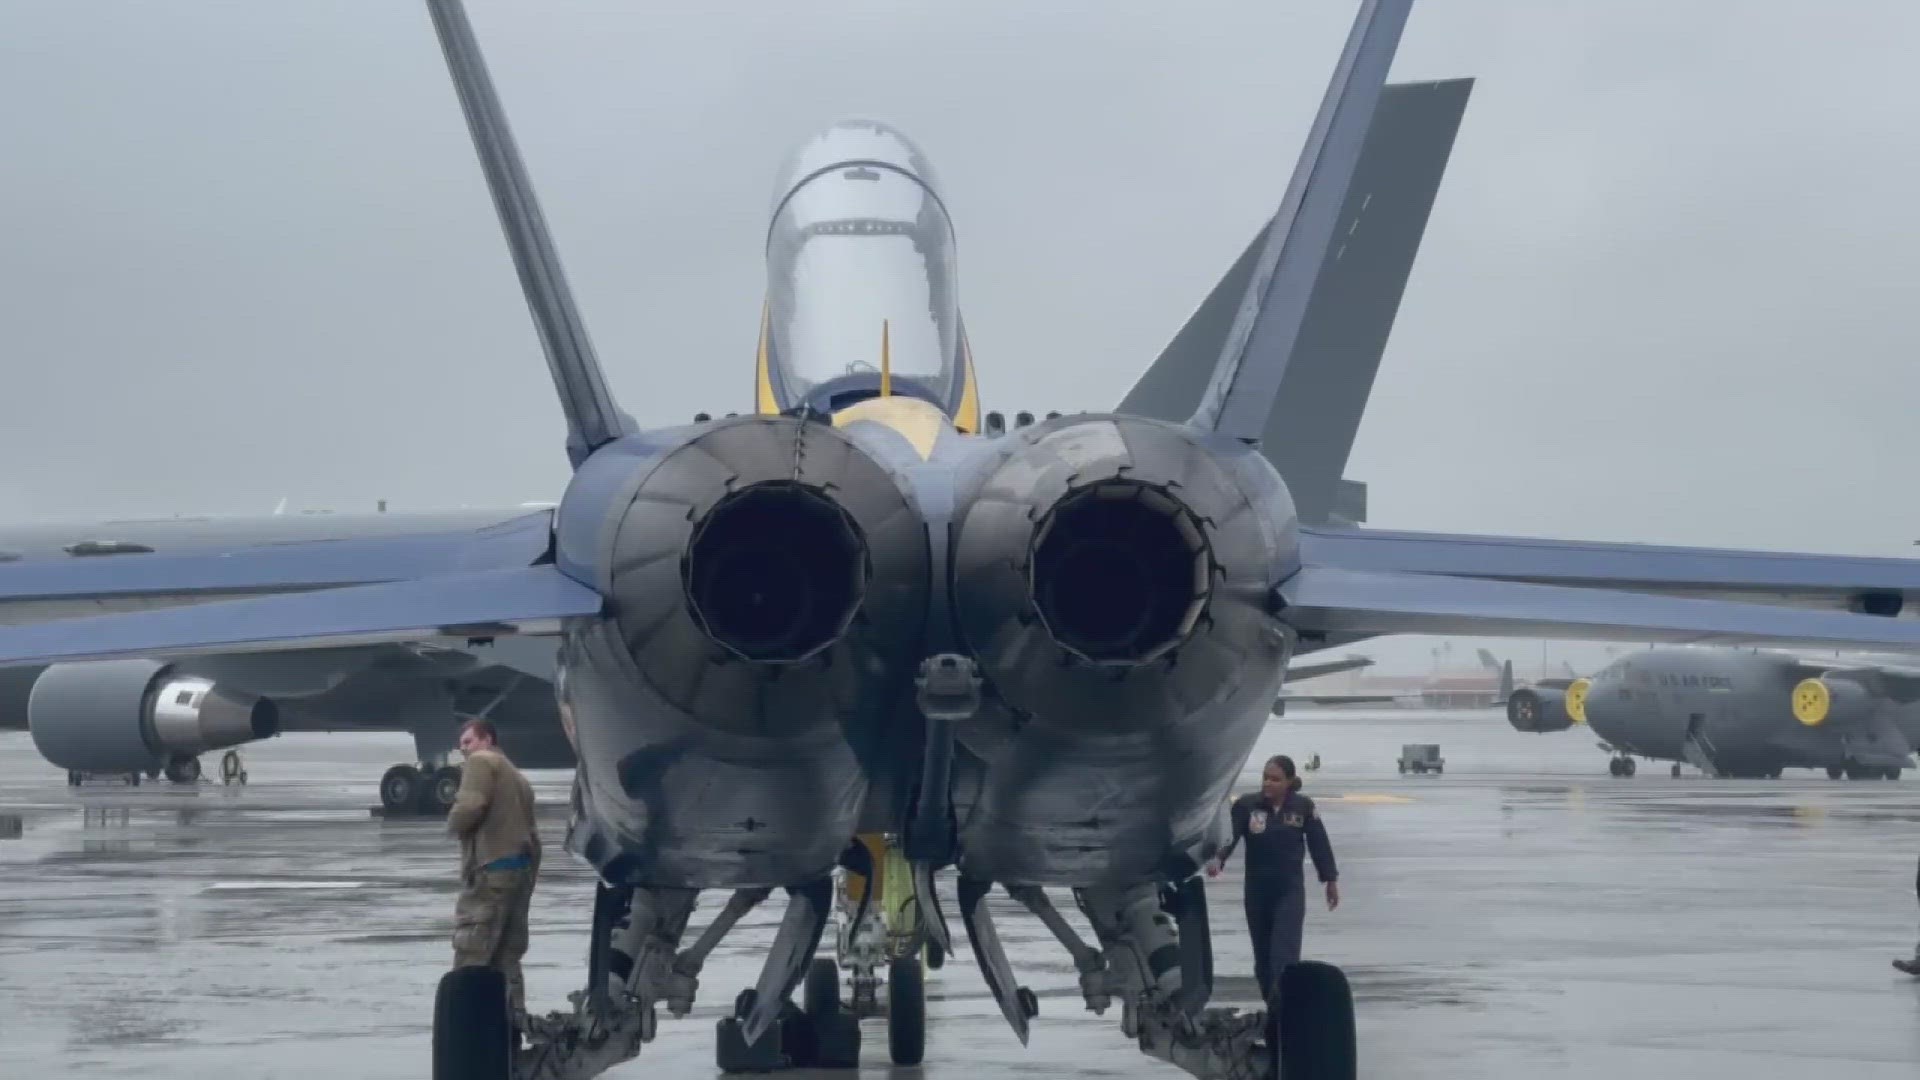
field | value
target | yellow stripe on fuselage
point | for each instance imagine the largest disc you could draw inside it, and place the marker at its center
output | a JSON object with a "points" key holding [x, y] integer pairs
{"points": [[763, 379], [916, 421]]}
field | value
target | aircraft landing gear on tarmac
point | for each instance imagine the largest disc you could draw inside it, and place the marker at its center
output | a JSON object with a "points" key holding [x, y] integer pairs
{"points": [[880, 931], [1864, 772], [419, 789], [1623, 766], [473, 1036], [183, 770]]}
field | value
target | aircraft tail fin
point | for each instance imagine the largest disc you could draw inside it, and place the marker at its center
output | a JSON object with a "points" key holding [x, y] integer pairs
{"points": [[1247, 375], [1322, 393], [592, 417]]}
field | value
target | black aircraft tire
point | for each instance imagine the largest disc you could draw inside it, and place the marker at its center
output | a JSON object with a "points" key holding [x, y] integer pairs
{"points": [[397, 787], [1317, 1036], [472, 1034], [445, 785], [906, 1011], [821, 994], [183, 770]]}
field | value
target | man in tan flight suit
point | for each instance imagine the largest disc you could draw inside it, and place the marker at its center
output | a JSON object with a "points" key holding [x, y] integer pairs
{"points": [[499, 861]]}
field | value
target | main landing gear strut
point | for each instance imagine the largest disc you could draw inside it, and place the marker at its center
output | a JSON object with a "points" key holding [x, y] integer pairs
{"points": [[635, 964]]}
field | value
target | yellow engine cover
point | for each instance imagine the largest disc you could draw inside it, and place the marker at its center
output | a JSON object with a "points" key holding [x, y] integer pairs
{"points": [[1811, 702], [1577, 699]]}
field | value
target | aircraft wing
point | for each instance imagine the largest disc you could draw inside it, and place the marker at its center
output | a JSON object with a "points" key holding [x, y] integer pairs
{"points": [[1302, 672], [33, 590], [1326, 602], [1341, 699], [490, 582], [1899, 679], [1877, 586], [471, 604]]}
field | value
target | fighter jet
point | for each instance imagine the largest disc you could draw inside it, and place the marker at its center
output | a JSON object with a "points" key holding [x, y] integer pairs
{"points": [[152, 717], [1738, 712], [1040, 656]]}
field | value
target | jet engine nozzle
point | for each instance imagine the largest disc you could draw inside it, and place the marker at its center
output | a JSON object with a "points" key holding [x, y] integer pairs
{"points": [[761, 550], [775, 571], [1110, 573], [1119, 571], [133, 714], [1539, 709]]}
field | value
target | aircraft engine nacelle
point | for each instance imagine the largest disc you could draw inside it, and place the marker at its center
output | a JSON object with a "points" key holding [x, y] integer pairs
{"points": [[1111, 576], [132, 715], [1539, 709], [763, 570], [1110, 573], [768, 584], [1819, 701]]}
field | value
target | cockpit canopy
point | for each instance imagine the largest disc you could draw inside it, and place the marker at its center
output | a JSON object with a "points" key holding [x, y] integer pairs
{"points": [[860, 241]]}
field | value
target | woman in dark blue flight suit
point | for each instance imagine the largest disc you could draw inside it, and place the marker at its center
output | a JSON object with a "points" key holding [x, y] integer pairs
{"points": [[1279, 825]]}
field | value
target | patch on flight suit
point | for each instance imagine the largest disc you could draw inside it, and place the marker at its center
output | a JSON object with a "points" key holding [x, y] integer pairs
{"points": [[1293, 819], [1257, 821]]}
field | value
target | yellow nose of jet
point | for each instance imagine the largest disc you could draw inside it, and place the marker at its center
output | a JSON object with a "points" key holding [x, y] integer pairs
{"points": [[1811, 702], [1577, 699]]}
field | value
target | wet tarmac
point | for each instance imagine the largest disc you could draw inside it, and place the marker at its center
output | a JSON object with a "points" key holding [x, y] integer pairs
{"points": [[1522, 915]]}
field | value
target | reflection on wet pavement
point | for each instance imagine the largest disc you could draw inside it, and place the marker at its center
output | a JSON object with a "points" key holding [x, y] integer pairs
{"points": [[1524, 915]]}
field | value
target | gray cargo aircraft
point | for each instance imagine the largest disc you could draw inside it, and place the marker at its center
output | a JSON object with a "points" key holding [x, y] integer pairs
{"points": [[1039, 656], [1738, 712]]}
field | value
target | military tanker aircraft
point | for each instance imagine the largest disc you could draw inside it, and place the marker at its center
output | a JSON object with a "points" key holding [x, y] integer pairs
{"points": [[1739, 712], [1039, 656]]}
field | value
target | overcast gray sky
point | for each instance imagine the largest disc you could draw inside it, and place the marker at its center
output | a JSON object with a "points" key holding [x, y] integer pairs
{"points": [[1667, 292]]}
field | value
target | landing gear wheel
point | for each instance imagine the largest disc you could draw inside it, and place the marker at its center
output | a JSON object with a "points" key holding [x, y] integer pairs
{"points": [[1835, 772], [446, 785], [835, 1042], [1613, 767], [397, 787], [1676, 770], [1893, 772], [472, 1034], [1626, 767], [821, 995], [906, 1011], [1317, 1036], [184, 770]]}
